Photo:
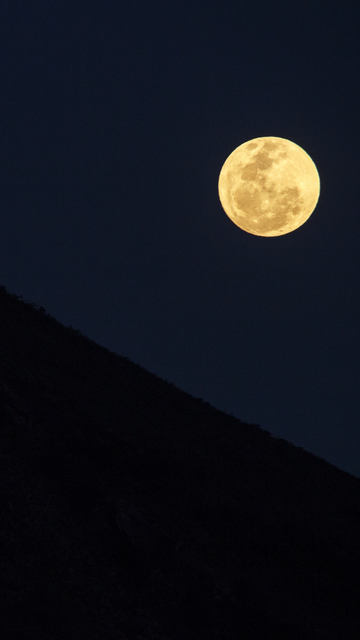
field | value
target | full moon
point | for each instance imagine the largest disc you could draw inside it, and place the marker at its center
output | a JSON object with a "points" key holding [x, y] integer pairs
{"points": [[269, 186]]}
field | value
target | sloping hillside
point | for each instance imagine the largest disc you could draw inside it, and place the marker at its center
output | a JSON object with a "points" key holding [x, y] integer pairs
{"points": [[133, 511]]}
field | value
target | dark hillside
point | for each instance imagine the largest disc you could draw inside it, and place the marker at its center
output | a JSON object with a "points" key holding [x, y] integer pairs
{"points": [[133, 511]]}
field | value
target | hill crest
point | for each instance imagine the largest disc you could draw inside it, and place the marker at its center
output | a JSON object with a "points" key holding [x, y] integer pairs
{"points": [[132, 507]]}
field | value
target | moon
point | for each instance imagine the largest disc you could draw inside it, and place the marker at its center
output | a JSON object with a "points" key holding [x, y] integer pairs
{"points": [[269, 186]]}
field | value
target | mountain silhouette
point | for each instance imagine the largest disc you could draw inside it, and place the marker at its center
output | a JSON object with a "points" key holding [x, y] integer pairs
{"points": [[131, 510]]}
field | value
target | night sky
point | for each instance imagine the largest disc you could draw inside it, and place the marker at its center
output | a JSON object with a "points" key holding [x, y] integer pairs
{"points": [[116, 118]]}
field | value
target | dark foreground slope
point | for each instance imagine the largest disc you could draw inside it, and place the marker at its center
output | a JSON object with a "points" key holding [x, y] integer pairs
{"points": [[132, 511]]}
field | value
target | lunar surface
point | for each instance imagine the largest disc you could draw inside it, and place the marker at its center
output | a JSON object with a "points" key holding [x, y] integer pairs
{"points": [[269, 186]]}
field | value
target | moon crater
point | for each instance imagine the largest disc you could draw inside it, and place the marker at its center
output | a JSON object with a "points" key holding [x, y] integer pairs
{"points": [[269, 186]]}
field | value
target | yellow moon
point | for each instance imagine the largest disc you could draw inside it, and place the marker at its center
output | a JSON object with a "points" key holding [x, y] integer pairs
{"points": [[269, 186]]}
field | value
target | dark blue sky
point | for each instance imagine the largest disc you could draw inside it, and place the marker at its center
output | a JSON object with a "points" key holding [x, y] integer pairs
{"points": [[116, 118]]}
